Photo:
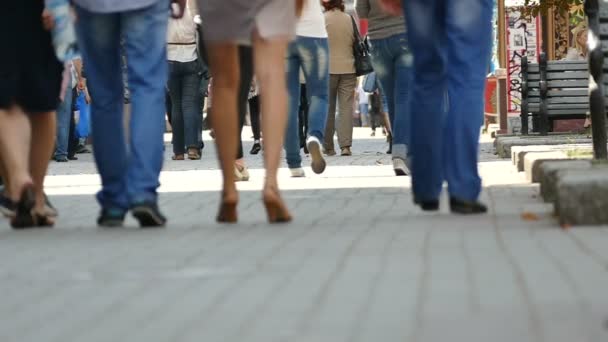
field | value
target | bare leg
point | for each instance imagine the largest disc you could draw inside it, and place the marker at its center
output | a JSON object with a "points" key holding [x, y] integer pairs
{"points": [[43, 141], [225, 72], [269, 61], [15, 139]]}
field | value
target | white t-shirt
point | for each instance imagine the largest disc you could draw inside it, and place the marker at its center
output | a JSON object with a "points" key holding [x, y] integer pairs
{"points": [[363, 96], [312, 21]]}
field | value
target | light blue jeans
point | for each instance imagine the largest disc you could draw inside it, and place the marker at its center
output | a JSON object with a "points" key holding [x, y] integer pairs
{"points": [[393, 62], [312, 56], [64, 114], [129, 171], [451, 43]]}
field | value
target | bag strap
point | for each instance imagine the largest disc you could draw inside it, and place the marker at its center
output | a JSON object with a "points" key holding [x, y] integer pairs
{"points": [[355, 29]]}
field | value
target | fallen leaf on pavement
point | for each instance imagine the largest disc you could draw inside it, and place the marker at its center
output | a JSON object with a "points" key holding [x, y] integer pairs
{"points": [[527, 216]]}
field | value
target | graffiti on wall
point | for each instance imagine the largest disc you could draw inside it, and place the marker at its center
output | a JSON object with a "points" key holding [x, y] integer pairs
{"points": [[523, 39]]}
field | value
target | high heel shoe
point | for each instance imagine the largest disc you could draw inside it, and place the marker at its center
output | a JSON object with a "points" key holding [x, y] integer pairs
{"points": [[275, 208], [227, 212], [23, 209]]}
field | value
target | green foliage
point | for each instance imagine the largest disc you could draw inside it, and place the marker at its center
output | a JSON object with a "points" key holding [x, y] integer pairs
{"points": [[534, 8]]}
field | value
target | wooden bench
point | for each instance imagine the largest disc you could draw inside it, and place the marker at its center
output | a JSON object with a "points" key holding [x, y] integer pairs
{"points": [[553, 90]]}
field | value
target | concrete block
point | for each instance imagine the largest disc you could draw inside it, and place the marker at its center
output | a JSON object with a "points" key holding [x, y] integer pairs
{"points": [[504, 144], [548, 175], [582, 197], [518, 153], [533, 160]]}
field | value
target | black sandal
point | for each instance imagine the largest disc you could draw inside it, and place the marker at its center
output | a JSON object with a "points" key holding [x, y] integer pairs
{"points": [[23, 209]]}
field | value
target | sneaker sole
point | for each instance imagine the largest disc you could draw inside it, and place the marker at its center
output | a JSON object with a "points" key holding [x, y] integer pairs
{"points": [[318, 162], [111, 223], [147, 217], [400, 172]]}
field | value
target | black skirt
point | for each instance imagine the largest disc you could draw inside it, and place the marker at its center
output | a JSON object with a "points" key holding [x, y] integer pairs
{"points": [[30, 74]]}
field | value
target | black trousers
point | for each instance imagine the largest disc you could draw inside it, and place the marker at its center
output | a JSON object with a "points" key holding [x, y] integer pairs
{"points": [[254, 113], [246, 67]]}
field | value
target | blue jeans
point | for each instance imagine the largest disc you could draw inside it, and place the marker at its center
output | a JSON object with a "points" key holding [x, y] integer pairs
{"points": [[312, 56], [393, 61], [451, 42], [129, 170], [64, 113], [184, 87]]}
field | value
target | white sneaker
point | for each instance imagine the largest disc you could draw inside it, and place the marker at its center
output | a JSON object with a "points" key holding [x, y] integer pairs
{"points": [[314, 148], [297, 172], [400, 167]]}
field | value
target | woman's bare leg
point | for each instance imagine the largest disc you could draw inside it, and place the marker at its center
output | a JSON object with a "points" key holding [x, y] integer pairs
{"points": [[225, 72], [15, 141], [43, 144], [269, 62]]}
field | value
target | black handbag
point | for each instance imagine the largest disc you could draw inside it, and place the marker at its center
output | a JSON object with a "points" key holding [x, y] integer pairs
{"points": [[363, 60]]}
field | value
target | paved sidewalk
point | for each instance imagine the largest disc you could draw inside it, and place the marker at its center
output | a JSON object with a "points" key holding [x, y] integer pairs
{"points": [[360, 263]]}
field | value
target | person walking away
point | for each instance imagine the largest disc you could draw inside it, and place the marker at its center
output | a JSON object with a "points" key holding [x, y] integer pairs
{"points": [[269, 25], [254, 115], [343, 80], [30, 84], [308, 53], [363, 100], [129, 171], [451, 44], [64, 115], [392, 61], [184, 84]]}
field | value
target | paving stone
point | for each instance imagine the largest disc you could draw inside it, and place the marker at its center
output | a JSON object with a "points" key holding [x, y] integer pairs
{"points": [[533, 160], [360, 262], [548, 175], [518, 153], [582, 197]]}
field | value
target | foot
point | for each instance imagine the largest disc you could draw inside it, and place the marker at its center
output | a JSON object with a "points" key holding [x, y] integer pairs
{"points": [[463, 207], [430, 205], [148, 215], [193, 153], [111, 217], [297, 172], [400, 167], [318, 162], [373, 134], [345, 152], [178, 157], [49, 209], [61, 159], [82, 149], [72, 158], [23, 217], [329, 153], [227, 212], [256, 148], [275, 207]]}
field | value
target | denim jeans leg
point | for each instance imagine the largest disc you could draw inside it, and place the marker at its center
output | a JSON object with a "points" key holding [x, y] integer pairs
{"points": [[427, 102], [177, 116], [191, 103], [145, 34], [467, 58], [402, 61], [292, 138], [64, 111], [99, 41], [314, 56]]}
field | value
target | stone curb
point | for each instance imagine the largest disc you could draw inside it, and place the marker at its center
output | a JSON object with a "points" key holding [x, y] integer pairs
{"points": [[582, 196], [548, 175]]}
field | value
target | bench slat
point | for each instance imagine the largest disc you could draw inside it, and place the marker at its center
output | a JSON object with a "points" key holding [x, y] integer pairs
{"points": [[562, 84], [564, 92]]}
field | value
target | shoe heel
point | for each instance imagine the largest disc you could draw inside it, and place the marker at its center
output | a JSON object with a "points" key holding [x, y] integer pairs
{"points": [[276, 212], [227, 213], [23, 214]]}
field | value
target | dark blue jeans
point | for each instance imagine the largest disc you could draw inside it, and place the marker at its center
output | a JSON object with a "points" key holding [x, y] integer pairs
{"points": [[187, 118], [129, 172], [451, 43], [312, 56], [64, 114], [393, 61]]}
